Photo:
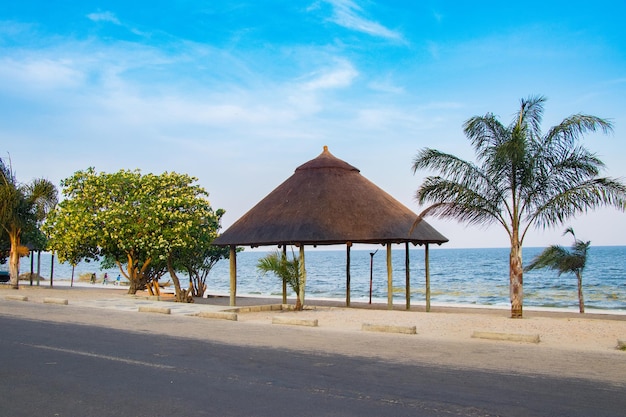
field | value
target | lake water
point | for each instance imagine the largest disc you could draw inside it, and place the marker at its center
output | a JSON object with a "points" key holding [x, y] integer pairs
{"points": [[476, 277]]}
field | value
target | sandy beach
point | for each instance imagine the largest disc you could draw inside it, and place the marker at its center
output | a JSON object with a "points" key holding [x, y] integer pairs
{"points": [[563, 330]]}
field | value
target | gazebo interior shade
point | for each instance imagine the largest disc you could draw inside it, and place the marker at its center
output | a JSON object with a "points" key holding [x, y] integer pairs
{"points": [[325, 202]]}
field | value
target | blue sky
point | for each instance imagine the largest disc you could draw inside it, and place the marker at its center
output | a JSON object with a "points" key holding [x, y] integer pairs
{"points": [[240, 93]]}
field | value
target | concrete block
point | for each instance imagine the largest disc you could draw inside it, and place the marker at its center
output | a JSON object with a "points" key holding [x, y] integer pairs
{"points": [[160, 310], [294, 322], [511, 337], [51, 300], [217, 315], [388, 329], [16, 298]]}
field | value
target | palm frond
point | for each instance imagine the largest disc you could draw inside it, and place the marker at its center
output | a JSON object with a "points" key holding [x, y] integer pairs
{"points": [[553, 258], [454, 200], [573, 127], [530, 115], [579, 199]]}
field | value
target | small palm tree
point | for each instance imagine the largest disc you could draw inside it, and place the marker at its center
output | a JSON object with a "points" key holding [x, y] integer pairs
{"points": [[22, 208], [287, 270], [563, 260]]}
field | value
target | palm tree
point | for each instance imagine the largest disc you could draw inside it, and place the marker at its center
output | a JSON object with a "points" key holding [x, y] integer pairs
{"points": [[22, 207], [523, 178], [287, 270], [558, 258]]}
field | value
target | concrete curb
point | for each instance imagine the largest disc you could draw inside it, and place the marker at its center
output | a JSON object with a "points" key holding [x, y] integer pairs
{"points": [[50, 300], [217, 315], [294, 322], [511, 337], [16, 297], [257, 309], [367, 327], [160, 310]]}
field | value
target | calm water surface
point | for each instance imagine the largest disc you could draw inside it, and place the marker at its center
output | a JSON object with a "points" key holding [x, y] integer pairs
{"points": [[458, 277]]}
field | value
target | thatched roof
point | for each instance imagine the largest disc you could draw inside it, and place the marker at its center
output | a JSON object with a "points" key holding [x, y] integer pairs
{"points": [[325, 202]]}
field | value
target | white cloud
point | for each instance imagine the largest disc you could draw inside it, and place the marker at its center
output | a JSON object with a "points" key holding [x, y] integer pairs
{"points": [[104, 17], [39, 73], [348, 14], [386, 86], [340, 76]]}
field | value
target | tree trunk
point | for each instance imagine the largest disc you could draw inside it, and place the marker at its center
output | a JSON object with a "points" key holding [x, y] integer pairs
{"points": [[14, 259], [182, 296], [581, 302], [516, 280]]}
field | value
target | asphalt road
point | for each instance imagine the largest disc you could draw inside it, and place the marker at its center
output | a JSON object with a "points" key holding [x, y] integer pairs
{"points": [[69, 369]]}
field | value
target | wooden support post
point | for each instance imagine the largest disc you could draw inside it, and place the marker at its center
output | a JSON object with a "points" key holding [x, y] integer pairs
{"points": [[389, 279], [284, 282], [348, 245], [233, 275], [52, 271], [427, 268], [302, 274], [408, 276]]}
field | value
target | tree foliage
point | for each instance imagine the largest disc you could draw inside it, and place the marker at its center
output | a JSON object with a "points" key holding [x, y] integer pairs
{"points": [[22, 209], [565, 261], [133, 219], [522, 178]]}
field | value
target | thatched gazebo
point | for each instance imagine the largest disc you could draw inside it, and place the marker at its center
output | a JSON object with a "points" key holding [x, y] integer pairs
{"points": [[328, 202]]}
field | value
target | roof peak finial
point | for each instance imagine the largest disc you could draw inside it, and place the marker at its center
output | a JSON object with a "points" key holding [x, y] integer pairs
{"points": [[325, 148]]}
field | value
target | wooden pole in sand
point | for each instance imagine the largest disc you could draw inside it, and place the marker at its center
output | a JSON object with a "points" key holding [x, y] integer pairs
{"points": [[427, 267], [233, 275], [408, 276], [302, 274], [52, 271], [285, 282], [389, 279], [348, 245]]}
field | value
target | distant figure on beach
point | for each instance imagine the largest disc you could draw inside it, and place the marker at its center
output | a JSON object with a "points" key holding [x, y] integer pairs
{"points": [[93, 278], [106, 277], [118, 279]]}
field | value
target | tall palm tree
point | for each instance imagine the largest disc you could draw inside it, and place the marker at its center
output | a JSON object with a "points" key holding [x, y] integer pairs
{"points": [[22, 207], [523, 178], [287, 270], [563, 260]]}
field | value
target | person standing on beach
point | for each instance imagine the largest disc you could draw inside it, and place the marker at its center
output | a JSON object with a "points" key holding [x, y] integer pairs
{"points": [[104, 280], [118, 279], [93, 278]]}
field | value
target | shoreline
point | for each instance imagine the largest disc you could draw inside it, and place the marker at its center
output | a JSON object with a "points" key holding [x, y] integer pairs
{"points": [[380, 304]]}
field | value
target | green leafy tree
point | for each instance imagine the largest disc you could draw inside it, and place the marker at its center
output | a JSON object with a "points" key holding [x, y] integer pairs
{"points": [[22, 208], [523, 178], [563, 260], [198, 268], [130, 218], [197, 261], [288, 270]]}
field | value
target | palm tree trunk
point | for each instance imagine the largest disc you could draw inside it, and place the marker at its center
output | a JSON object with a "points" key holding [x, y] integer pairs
{"points": [[581, 302], [516, 280], [14, 259]]}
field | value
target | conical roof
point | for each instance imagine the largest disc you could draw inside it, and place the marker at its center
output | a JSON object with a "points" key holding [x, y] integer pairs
{"points": [[325, 202]]}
